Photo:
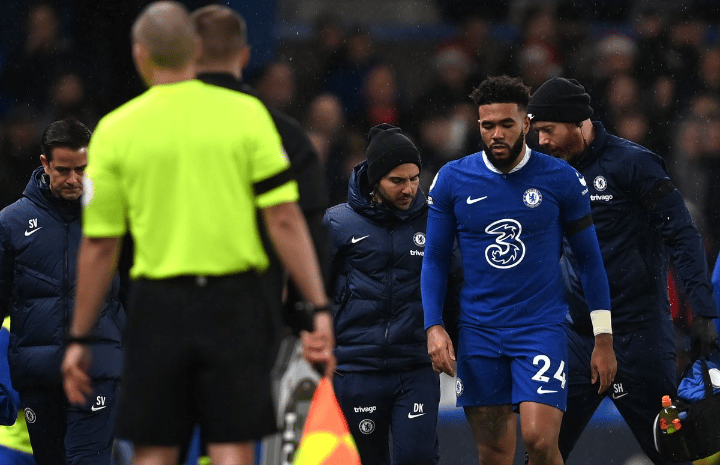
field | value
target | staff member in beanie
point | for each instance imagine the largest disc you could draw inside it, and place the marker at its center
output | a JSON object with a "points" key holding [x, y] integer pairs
{"points": [[641, 223], [384, 381]]}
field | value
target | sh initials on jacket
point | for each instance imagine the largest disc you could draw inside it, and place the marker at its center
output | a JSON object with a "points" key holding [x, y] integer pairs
{"points": [[32, 227], [471, 201], [355, 240], [99, 404], [417, 411]]}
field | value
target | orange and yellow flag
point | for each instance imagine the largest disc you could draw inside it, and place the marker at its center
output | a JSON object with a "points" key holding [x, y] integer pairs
{"points": [[326, 438]]}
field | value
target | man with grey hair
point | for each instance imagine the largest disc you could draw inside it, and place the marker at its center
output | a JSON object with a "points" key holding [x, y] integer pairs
{"points": [[172, 167]]}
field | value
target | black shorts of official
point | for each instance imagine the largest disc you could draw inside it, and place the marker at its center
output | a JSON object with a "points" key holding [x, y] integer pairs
{"points": [[197, 352]]}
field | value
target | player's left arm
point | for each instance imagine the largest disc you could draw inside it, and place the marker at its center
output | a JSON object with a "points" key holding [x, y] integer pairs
{"points": [[582, 238], [580, 231]]}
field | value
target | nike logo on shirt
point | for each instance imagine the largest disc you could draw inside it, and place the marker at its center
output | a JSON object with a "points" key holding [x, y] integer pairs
{"points": [[355, 240], [95, 408], [415, 415], [32, 231], [471, 201]]}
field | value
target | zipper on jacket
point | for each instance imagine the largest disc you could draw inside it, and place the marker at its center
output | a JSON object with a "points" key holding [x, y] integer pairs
{"points": [[390, 277]]}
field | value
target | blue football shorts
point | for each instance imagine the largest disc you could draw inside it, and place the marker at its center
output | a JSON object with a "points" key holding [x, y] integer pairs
{"points": [[500, 366]]}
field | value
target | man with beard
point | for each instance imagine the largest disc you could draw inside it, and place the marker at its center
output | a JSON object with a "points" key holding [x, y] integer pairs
{"points": [[642, 224], [509, 208], [384, 381]]}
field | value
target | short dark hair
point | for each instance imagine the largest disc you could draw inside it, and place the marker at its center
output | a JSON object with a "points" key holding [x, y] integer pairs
{"points": [[501, 89], [68, 133]]}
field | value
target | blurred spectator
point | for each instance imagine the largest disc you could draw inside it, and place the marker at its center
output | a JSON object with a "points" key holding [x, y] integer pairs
{"points": [[619, 98], [709, 71], [695, 154], [649, 27], [19, 153], [312, 58], [275, 85], [334, 141], [575, 39], [661, 109], [615, 55], [381, 100], [345, 75], [539, 56], [30, 68], [446, 136], [632, 125], [476, 40], [68, 99], [682, 54], [449, 83]]}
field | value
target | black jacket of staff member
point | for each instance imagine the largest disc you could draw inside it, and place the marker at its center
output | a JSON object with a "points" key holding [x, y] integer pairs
{"points": [[224, 53]]}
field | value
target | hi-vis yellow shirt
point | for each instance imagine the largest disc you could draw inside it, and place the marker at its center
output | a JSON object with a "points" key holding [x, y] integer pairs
{"points": [[185, 165]]}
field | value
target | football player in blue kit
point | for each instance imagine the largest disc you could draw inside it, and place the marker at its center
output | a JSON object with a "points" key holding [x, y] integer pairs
{"points": [[509, 208], [642, 224]]}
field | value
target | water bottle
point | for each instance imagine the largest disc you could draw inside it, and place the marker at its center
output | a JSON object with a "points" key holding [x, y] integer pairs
{"points": [[669, 416]]}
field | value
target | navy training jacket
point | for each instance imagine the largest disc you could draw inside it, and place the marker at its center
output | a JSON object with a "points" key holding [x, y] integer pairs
{"points": [[642, 223], [376, 261], [39, 241]]}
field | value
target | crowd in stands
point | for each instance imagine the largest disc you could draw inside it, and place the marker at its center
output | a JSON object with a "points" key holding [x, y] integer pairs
{"points": [[652, 68]]}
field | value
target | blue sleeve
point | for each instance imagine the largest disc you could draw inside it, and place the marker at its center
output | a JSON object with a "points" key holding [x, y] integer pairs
{"points": [[716, 285], [576, 203], [585, 247], [439, 238], [9, 398]]}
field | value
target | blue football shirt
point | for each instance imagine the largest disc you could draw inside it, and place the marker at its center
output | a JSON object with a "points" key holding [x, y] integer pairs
{"points": [[509, 228]]}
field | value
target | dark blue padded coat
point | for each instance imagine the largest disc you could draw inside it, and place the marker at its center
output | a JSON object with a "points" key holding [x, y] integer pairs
{"points": [[377, 256], [642, 224], [39, 240]]}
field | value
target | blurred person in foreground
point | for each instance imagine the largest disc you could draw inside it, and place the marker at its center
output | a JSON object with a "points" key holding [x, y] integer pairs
{"points": [[39, 239], [200, 328], [509, 208], [642, 224]]}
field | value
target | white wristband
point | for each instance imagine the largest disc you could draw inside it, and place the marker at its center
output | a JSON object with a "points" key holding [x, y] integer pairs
{"points": [[601, 322]]}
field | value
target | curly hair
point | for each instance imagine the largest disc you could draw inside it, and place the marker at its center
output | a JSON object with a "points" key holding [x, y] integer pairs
{"points": [[501, 89]]}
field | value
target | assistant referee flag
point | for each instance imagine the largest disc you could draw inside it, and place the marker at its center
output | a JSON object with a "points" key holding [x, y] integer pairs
{"points": [[326, 438]]}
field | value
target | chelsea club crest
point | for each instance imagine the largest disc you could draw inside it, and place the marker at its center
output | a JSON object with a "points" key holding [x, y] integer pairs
{"points": [[532, 198], [600, 184]]}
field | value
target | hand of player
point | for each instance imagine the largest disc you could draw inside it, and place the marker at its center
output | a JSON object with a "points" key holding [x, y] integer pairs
{"points": [[603, 362], [703, 336], [441, 350], [318, 346], [75, 366]]}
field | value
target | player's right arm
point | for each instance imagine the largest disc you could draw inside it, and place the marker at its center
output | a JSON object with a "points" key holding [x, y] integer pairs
{"points": [[439, 238]]}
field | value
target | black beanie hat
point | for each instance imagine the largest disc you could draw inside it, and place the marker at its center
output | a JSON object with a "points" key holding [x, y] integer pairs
{"points": [[387, 149], [560, 100]]}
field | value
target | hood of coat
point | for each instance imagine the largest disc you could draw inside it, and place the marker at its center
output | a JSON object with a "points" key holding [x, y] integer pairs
{"points": [[360, 201]]}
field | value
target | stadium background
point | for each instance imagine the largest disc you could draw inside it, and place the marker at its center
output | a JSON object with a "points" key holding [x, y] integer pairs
{"points": [[341, 66]]}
